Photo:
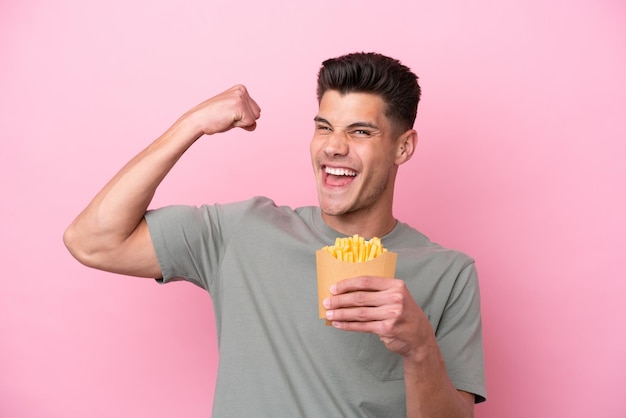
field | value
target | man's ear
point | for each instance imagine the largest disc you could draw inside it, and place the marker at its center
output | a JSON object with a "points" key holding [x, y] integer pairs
{"points": [[406, 146]]}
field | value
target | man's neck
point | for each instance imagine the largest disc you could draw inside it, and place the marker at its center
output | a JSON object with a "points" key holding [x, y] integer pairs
{"points": [[365, 226]]}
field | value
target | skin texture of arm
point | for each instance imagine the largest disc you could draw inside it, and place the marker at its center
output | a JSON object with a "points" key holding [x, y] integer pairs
{"points": [[386, 308], [110, 233]]}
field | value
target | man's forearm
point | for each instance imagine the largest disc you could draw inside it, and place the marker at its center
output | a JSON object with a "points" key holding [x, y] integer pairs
{"points": [[429, 391]]}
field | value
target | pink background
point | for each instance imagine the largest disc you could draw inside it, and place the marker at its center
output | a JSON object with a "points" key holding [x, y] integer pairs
{"points": [[520, 164]]}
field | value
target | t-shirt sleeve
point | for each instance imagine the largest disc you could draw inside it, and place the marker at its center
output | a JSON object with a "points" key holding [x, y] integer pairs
{"points": [[190, 241], [459, 335]]}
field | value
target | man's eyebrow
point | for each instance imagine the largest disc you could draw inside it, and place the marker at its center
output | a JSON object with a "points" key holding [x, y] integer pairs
{"points": [[351, 126], [321, 120], [362, 125]]}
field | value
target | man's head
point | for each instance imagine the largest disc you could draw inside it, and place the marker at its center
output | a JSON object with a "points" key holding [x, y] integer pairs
{"points": [[363, 133], [375, 74]]}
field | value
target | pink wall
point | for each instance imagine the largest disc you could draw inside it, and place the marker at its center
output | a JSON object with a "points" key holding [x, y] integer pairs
{"points": [[520, 164]]}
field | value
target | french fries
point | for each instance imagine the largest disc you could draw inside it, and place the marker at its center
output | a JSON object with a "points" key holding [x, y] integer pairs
{"points": [[356, 249]]}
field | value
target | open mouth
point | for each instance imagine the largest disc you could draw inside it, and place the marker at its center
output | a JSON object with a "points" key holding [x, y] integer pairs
{"points": [[338, 176]]}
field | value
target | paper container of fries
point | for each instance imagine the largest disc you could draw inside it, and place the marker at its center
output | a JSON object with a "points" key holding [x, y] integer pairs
{"points": [[330, 270]]}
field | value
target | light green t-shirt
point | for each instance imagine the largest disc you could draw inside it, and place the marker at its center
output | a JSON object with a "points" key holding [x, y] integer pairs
{"points": [[277, 358]]}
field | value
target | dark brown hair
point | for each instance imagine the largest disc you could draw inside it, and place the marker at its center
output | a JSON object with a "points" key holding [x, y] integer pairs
{"points": [[369, 72]]}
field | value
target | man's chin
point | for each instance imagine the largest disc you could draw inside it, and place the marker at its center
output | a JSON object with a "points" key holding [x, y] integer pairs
{"points": [[334, 204], [332, 211], [335, 210]]}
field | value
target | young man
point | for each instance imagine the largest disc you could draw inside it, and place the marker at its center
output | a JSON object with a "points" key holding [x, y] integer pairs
{"points": [[410, 346]]}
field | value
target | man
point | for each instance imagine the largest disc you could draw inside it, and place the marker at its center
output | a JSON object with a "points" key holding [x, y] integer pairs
{"points": [[409, 346]]}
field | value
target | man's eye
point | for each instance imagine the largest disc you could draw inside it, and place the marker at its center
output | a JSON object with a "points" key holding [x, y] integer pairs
{"points": [[361, 132], [323, 128]]}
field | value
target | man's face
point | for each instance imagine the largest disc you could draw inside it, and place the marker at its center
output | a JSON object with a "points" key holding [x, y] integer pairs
{"points": [[353, 153]]}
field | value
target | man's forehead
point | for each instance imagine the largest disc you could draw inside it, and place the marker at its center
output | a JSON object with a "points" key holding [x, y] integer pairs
{"points": [[350, 108]]}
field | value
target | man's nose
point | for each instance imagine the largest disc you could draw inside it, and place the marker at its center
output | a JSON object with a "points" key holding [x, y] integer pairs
{"points": [[337, 144]]}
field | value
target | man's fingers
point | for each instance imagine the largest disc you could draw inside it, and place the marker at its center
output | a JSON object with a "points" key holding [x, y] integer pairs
{"points": [[365, 283], [358, 314], [249, 112], [254, 107], [347, 300], [248, 127]]}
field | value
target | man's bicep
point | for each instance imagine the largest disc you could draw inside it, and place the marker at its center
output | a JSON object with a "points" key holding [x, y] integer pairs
{"points": [[136, 255]]}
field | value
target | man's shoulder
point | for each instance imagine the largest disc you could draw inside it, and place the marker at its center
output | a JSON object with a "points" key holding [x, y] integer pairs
{"points": [[263, 204], [410, 240]]}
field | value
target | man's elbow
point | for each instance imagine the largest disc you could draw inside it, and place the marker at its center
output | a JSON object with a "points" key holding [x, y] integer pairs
{"points": [[80, 246]]}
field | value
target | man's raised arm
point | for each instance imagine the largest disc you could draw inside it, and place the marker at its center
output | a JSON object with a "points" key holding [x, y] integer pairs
{"points": [[111, 233]]}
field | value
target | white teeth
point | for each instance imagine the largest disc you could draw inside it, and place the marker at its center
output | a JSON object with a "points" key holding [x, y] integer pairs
{"points": [[340, 172]]}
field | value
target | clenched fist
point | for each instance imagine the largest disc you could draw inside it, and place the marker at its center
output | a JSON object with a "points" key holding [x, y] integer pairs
{"points": [[234, 108]]}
